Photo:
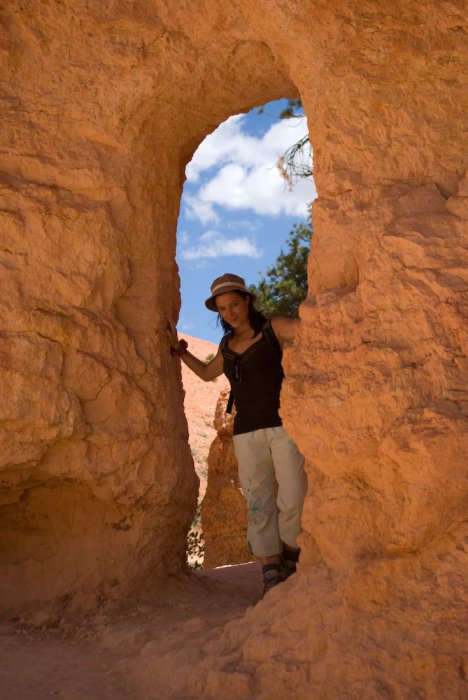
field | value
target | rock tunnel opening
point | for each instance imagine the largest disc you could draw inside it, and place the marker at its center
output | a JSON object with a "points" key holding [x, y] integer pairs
{"points": [[248, 193]]}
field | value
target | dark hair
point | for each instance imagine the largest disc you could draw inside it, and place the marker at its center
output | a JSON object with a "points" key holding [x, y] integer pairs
{"points": [[256, 318]]}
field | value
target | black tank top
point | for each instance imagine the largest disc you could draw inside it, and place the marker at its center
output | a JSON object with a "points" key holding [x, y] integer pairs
{"points": [[255, 376]]}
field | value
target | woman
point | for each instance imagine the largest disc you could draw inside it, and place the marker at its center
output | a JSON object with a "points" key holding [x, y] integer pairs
{"points": [[271, 468]]}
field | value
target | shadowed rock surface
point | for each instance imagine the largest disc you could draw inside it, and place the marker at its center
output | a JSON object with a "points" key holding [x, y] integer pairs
{"points": [[224, 513]]}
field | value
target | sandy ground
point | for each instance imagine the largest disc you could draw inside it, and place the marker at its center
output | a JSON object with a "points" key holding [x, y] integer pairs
{"points": [[92, 657], [102, 656]]}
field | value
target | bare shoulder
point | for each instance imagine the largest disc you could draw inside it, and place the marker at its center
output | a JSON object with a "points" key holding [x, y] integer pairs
{"points": [[284, 328]]}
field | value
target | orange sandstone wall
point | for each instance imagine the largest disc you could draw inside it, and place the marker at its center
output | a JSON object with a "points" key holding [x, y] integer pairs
{"points": [[376, 384], [103, 104]]}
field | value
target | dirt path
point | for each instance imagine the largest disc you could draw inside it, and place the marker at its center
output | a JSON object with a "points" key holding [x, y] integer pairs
{"points": [[102, 657]]}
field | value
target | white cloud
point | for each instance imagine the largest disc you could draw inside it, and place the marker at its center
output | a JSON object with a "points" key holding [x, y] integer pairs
{"points": [[261, 189], [196, 208], [183, 236], [235, 170], [213, 244], [235, 223], [225, 143]]}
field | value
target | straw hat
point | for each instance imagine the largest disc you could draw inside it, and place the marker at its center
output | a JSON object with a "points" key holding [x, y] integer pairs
{"points": [[222, 285]]}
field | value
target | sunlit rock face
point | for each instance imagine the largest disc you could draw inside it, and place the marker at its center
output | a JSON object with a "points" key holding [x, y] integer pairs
{"points": [[102, 106]]}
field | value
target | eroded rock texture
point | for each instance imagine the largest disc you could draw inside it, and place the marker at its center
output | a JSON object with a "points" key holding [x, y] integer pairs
{"points": [[102, 106], [224, 514]]}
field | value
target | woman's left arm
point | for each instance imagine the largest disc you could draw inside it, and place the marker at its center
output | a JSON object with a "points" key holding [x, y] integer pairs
{"points": [[285, 328]]}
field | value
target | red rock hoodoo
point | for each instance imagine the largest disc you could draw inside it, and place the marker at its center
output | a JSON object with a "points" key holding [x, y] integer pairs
{"points": [[103, 104], [224, 514]]}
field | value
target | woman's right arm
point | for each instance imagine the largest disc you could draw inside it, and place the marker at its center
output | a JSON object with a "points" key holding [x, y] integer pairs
{"points": [[205, 370]]}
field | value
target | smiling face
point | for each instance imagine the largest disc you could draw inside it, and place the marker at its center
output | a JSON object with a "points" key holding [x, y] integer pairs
{"points": [[233, 308]]}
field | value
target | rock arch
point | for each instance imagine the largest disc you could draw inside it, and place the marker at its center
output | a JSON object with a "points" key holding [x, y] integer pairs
{"points": [[104, 105], [98, 484]]}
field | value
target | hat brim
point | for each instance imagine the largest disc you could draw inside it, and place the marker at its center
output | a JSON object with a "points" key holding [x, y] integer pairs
{"points": [[211, 304]]}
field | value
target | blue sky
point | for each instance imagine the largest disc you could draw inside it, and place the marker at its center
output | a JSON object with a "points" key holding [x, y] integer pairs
{"points": [[236, 209]]}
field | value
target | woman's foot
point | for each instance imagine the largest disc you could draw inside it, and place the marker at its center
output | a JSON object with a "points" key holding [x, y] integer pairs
{"points": [[272, 575], [289, 560]]}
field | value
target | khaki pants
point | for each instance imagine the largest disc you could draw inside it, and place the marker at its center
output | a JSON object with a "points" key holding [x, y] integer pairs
{"points": [[274, 482]]}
